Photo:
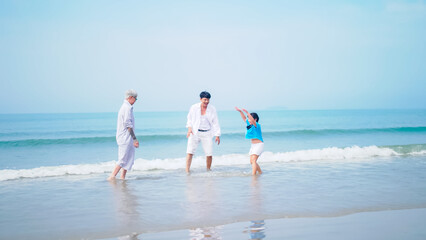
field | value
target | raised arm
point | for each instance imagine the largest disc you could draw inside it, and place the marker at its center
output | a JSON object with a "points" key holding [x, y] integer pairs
{"points": [[250, 118], [242, 114]]}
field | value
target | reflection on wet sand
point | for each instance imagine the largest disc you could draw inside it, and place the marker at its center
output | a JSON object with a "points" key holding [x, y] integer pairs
{"points": [[202, 199], [130, 237], [256, 230], [126, 207], [205, 233], [256, 196], [202, 205]]}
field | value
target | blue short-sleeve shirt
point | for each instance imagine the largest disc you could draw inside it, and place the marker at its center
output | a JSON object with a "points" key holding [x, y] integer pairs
{"points": [[253, 132]]}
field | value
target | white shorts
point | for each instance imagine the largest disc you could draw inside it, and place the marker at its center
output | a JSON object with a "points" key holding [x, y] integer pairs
{"points": [[126, 156], [256, 148], [206, 140]]}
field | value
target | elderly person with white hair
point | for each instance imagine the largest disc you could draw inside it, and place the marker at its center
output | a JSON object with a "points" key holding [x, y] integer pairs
{"points": [[126, 138]]}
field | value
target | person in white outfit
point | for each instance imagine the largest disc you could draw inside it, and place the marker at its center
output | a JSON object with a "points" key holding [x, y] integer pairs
{"points": [[126, 138], [203, 125]]}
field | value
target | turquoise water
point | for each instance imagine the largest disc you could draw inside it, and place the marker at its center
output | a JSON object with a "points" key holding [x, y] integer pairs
{"points": [[317, 164], [33, 140]]}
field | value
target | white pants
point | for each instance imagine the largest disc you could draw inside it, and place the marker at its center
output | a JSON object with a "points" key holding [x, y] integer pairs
{"points": [[206, 140], [126, 156], [256, 148]]}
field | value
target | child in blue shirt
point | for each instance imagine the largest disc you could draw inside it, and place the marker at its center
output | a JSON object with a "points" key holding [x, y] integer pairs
{"points": [[254, 132]]}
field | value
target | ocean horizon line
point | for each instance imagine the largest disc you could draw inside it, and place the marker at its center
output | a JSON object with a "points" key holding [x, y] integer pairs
{"points": [[223, 110]]}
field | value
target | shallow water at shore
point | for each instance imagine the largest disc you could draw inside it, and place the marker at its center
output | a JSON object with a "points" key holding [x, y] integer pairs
{"points": [[317, 164], [164, 200]]}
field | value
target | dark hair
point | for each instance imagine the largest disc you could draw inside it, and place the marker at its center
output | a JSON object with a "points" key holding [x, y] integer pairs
{"points": [[205, 94], [255, 116]]}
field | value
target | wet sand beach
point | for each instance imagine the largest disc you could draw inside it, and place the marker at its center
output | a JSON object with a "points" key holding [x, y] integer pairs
{"points": [[397, 224]]}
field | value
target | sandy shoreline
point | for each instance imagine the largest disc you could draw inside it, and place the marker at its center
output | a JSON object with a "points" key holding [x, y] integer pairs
{"points": [[392, 224]]}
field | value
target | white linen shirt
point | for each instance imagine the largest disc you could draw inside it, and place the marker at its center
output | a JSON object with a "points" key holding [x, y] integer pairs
{"points": [[125, 120], [194, 119]]}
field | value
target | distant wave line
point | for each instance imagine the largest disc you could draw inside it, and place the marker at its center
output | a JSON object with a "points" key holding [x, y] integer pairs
{"points": [[343, 131], [173, 137]]}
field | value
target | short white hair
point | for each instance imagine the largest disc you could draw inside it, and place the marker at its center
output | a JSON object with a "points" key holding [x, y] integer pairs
{"points": [[131, 93]]}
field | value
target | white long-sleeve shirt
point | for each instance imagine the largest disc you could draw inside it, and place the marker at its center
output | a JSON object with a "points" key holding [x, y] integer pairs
{"points": [[194, 119], [125, 120]]}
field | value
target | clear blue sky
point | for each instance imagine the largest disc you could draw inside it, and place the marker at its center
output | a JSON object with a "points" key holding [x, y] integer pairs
{"points": [[81, 56]]}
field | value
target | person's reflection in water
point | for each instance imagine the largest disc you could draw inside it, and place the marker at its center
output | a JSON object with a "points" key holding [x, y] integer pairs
{"points": [[257, 227], [202, 206], [130, 237], [126, 205], [256, 196], [205, 233]]}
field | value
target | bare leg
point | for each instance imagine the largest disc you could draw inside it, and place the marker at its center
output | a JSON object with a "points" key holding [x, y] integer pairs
{"points": [[188, 162], [258, 169], [123, 174], [254, 166], [114, 172], [209, 160]]}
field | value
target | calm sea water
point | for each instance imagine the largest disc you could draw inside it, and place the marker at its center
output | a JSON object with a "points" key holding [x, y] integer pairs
{"points": [[317, 163]]}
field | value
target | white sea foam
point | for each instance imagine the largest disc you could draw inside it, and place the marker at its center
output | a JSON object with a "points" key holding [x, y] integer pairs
{"points": [[55, 171], [423, 152], [332, 153]]}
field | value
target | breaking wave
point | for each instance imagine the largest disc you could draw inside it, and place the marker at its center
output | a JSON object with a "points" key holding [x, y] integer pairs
{"points": [[332, 153]]}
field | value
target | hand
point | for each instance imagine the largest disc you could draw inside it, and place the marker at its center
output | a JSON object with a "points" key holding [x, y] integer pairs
{"points": [[136, 143], [217, 140], [189, 133], [239, 110]]}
